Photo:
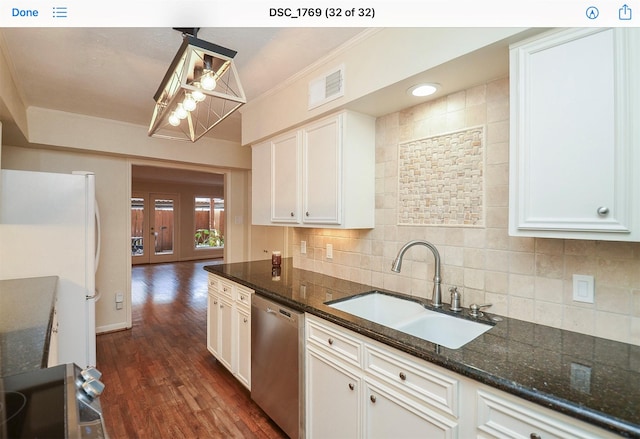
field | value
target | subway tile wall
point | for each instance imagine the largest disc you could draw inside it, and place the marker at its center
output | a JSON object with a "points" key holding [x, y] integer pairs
{"points": [[525, 278]]}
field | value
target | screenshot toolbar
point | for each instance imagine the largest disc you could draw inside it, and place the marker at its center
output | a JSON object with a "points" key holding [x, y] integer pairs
{"points": [[316, 13]]}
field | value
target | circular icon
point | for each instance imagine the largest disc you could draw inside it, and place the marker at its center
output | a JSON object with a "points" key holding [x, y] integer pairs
{"points": [[592, 12]]}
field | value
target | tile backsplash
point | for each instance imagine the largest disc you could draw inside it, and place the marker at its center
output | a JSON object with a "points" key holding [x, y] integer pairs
{"points": [[525, 278]]}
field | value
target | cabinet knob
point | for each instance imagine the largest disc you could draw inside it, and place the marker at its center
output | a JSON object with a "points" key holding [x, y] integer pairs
{"points": [[215, 302], [402, 376], [291, 214], [535, 436], [246, 320], [307, 213], [351, 386], [373, 398], [603, 210], [330, 341]]}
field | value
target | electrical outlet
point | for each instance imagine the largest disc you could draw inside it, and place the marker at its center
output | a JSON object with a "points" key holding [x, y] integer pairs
{"points": [[303, 247], [329, 251], [583, 290], [119, 300], [581, 378]]}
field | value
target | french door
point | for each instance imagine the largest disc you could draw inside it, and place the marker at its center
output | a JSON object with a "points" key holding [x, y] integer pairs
{"points": [[154, 228]]}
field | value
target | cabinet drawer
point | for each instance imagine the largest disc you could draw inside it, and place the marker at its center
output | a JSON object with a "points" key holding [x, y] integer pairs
{"points": [[243, 297], [428, 386], [212, 283], [508, 418], [226, 289], [335, 341]]}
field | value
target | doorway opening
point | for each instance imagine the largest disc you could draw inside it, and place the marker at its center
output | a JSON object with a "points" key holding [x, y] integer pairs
{"points": [[176, 215]]}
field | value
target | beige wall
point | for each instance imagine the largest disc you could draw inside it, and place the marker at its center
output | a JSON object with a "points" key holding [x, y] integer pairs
{"points": [[524, 278]]}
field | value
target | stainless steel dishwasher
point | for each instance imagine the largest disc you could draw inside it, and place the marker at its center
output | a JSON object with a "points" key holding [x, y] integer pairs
{"points": [[277, 363]]}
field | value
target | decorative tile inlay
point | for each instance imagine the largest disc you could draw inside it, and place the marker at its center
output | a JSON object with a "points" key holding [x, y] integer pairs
{"points": [[441, 179]]}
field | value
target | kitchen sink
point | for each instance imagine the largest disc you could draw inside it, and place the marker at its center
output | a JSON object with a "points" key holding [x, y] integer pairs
{"points": [[411, 317]]}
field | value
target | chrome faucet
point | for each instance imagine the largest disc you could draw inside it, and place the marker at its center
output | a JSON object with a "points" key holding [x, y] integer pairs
{"points": [[436, 299]]}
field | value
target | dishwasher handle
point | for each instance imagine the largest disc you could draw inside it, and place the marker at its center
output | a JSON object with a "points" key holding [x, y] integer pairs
{"points": [[275, 309]]}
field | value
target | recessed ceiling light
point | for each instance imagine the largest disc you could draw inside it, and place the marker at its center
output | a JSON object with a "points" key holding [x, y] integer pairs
{"points": [[423, 89]]}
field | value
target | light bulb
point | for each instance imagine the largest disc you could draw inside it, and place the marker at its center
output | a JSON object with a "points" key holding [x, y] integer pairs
{"points": [[180, 112], [189, 102], [207, 81], [173, 120], [198, 95]]}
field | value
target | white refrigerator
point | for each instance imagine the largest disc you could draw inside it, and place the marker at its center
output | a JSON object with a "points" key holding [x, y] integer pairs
{"points": [[49, 227]]}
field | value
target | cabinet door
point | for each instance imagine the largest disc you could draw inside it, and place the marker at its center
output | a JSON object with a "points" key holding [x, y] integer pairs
{"points": [[388, 414], [322, 171], [243, 343], [213, 324], [285, 178], [225, 309], [571, 136], [261, 184], [333, 398]]}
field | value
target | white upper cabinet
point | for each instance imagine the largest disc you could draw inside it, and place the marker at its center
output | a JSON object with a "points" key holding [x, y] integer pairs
{"points": [[322, 171], [285, 178], [320, 175], [575, 152]]}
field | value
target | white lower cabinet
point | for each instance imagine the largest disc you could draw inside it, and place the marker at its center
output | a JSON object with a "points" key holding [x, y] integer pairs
{"points": [[243, 343], [500, 415], [335, 397], [229, 326], [390, 414], [359, 388], [347, 398]]}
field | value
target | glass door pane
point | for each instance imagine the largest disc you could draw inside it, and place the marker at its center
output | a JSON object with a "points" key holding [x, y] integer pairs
{"points": [[163, 228], [163, 231], [138, 230]]}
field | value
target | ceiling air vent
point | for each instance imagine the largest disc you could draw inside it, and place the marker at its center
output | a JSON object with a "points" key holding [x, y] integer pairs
{"points": [[326, 88]]}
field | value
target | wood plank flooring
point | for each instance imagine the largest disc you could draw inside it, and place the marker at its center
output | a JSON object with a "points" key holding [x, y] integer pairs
{"points": [[161, 382]]}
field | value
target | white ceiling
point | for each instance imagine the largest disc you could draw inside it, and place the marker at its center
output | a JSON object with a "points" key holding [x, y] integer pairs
{"points": [[114, 73]]}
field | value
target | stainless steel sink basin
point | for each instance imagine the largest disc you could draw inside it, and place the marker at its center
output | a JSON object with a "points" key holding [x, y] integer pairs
{"points": [[412, 318]]}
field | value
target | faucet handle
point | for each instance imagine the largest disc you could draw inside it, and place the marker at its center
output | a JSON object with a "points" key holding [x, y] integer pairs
{"points": [[474, 309]]}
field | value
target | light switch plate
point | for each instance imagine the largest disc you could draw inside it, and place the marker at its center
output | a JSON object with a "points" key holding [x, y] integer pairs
{"points": [[583, 288], [303, 247], [329, 251]]}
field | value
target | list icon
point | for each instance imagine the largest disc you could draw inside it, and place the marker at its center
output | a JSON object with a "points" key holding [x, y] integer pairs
{"points": [[59, 12]]}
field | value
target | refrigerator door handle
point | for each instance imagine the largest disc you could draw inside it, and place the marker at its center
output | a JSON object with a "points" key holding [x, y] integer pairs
{"points": [[99, 237]]}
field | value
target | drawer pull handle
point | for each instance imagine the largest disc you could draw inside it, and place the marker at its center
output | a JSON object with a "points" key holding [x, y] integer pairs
{"points": [[330, 342], [402, 376], [242, 297], [373, 398], [535, 436], [351, 386]]}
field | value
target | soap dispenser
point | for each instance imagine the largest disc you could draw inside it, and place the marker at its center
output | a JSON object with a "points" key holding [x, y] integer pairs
{"points": [[455, 299]]}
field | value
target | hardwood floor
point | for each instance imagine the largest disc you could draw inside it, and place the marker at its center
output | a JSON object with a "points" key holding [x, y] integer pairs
{"points": [[161, 382]]}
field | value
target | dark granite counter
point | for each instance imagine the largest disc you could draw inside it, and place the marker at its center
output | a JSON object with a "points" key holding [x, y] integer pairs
{"points": [[531, 361], [26, 311]]}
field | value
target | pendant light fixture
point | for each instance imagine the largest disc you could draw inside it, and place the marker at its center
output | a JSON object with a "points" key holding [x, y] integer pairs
{"points": [[200, 89]]}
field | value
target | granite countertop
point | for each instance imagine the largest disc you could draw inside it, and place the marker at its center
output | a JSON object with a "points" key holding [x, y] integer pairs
{"points": [[528, 360], [26, 311]]}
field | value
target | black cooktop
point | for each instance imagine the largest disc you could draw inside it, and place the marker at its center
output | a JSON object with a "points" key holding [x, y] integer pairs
{"points": [[32, 404]]}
